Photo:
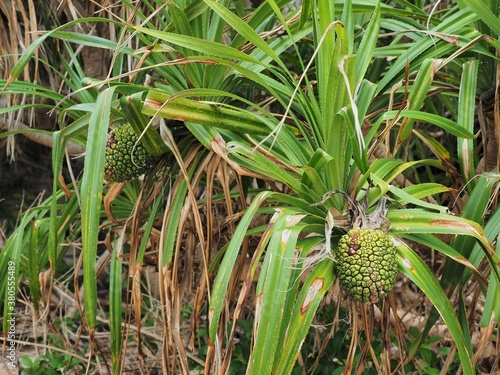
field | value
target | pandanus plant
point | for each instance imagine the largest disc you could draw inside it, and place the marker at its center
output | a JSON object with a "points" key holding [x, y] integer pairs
{"points": [[310, 125], [327, 141]]}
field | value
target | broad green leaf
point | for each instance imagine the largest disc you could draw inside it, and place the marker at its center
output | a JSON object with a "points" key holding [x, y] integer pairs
{"points": [[348, 21], [338, 88], [474, 211], [305, 12], [408, 198], [434, 145], [438, 245], [356, 138], [409, 221], [193, 10], [423, 190], [89, 40], [29, 88], [194, 73], [421, 221], [258, 162], [492, 304], [383, 172], [258, 18], [364, 99], [463, 243], [21, 107], [319, 160]]}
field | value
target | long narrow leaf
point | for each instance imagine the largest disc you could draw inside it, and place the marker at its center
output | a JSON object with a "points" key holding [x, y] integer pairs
{"points": [[418, 93], [442, 122], [466, 116], [311, 294], [131, 107], [91, 200], [202, 46], [420, 221], [27, 56], [115, 306], [367, 45], [225, 270], [245, 30], [492, 304], [484, 13], [163, 105], [413, 267], [272, 292], [450, 25]]}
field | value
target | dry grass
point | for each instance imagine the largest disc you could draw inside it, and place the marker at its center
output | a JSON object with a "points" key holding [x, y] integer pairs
{"points": [[21, 23]]}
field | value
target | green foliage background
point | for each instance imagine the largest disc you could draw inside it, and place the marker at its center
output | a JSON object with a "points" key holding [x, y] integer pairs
{"points": [[271, 119]]}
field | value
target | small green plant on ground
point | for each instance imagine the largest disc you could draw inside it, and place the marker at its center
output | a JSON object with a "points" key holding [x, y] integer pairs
{"points": [[54, 364], [286, 148]]}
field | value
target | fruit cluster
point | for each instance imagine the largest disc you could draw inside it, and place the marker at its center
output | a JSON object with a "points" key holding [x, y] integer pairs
{"points": [[366, 264], [126, 158]]}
